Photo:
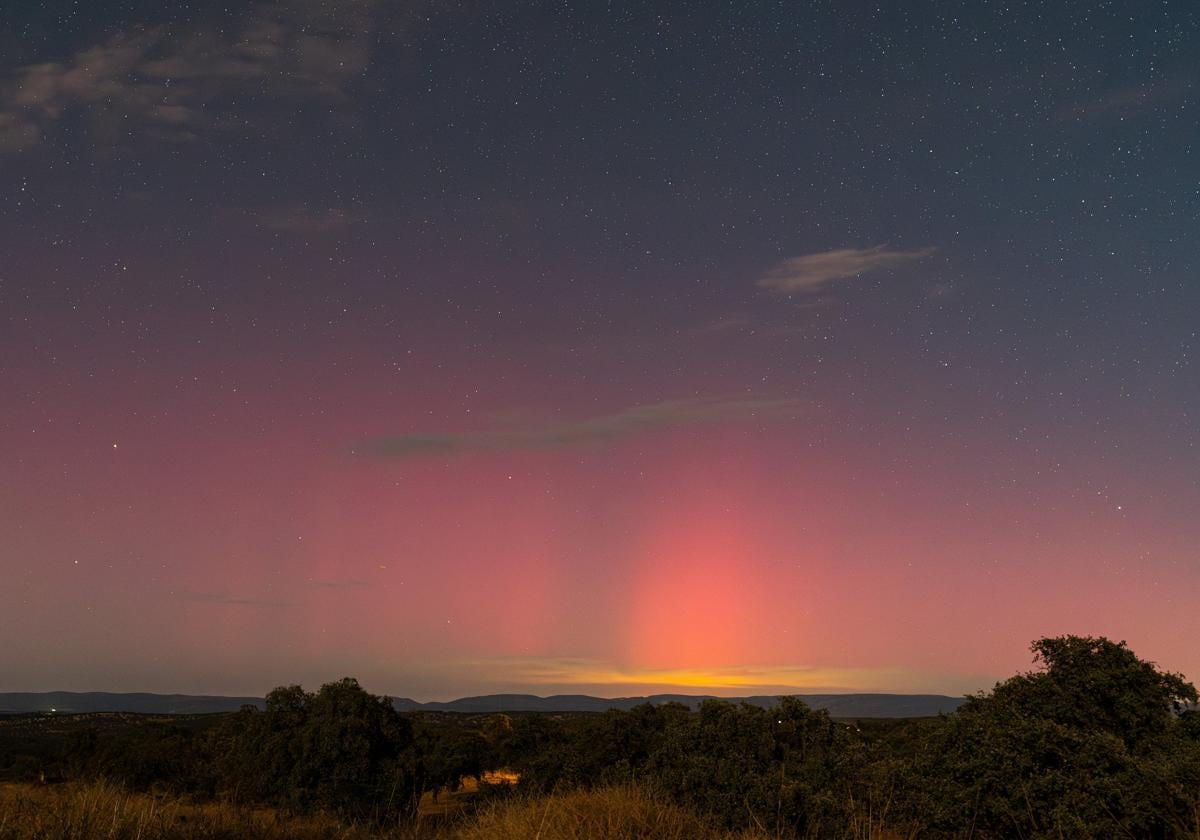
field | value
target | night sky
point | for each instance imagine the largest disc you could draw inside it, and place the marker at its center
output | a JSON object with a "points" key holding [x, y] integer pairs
{"points": [[604, 347]]}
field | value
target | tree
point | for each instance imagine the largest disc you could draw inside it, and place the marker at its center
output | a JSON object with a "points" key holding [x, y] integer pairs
{"points": [[536, 747], [448, 752], [1090, 745], [340, 749], [1095, 684]]}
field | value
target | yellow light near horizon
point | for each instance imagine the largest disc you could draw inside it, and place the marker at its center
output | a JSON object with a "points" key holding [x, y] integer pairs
{"points": [[559, 675], [739, 678]]}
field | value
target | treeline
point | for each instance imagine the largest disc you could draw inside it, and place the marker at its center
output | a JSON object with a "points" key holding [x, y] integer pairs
{"points": [[1093, 743]]}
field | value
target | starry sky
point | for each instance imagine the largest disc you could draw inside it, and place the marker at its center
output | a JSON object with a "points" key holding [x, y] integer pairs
{"points": [[602, 347]]}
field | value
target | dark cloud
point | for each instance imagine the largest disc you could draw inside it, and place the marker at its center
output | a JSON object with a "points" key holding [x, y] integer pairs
{"points": [[599, 429], [813, 273], [222, 598], [338, 584], [179, 85]]}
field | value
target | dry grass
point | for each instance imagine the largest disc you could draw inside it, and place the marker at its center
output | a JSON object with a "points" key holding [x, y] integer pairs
{"points": [[607, 814], [102, 810]]}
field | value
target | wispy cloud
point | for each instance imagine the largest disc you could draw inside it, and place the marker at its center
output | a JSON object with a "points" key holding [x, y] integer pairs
{"points": [[300, 218], [18, 133], [178, 85], [230, 600], [812, 273], [338, 584], [598, 429], [304, 219], [1129, 99]]}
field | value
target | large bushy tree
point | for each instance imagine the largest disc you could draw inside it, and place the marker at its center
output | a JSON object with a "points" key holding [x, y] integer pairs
{"points": [[1096, 685], [338, 749], [1089, 744]]}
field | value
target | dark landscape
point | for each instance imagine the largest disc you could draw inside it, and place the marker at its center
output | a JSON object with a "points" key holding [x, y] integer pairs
{"points": [[837, 705], [1092, 743]]}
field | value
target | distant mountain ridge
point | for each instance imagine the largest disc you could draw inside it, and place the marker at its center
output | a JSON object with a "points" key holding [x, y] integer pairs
{"points": [[80, 702], [838, 705]]}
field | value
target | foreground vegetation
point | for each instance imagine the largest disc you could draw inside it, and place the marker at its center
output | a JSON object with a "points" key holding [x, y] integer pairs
{"points": [[102, 810], [1094, 743], [87, 811]]}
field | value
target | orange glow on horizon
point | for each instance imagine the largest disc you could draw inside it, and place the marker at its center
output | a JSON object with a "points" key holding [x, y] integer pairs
{"points": [[566, 676]]}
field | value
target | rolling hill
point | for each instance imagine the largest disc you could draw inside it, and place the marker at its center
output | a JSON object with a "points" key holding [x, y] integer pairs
{"points": [[838, 705]]}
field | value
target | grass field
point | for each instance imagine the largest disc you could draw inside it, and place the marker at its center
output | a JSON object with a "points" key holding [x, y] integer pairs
{"points": [[102, 810]]}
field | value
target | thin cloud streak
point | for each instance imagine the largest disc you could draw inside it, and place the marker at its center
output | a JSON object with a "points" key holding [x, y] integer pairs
{"points": [[228, 600], [338, 584], [300, 219], [304, 220], [813, 273], [1129, 99], [597, 430]]}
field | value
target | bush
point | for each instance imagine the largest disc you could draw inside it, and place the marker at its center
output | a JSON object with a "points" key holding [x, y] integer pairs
{"points": [[1091, 745], [340, 749]]}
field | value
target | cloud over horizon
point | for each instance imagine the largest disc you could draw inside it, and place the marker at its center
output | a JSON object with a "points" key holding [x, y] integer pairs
{"points": [[598, 429], [812, 273]]}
